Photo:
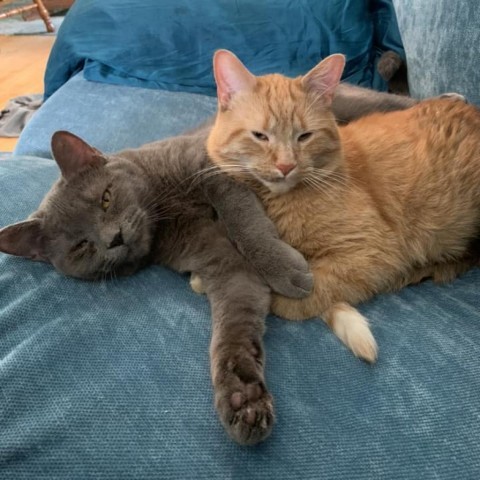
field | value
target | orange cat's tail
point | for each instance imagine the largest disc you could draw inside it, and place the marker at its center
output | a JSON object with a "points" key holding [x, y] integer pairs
{"points": [[352, 328], [346, 322]]}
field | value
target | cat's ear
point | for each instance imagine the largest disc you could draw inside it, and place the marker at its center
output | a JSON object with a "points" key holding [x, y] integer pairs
{"points": [[73, 154], [24, 239], [325, 77], [231, 76]]}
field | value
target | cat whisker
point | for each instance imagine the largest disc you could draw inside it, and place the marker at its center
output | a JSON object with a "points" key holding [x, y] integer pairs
{"points": [[155, 218], [328, 180], [210, 175], [337, 178], [325, 175], [160, 197], [113, 273], [223, 171], [161, 209], [321, 188], [216, 170], [163, 203], [198, 174], [321, 181]]}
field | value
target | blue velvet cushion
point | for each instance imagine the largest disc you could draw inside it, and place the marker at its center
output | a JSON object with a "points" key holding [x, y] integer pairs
{"points": [[442, 40], [113, 117], [169, 44], [111, 380]]}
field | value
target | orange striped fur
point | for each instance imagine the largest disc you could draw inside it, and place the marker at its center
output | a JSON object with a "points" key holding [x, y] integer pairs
{"points": [[375, 205]]}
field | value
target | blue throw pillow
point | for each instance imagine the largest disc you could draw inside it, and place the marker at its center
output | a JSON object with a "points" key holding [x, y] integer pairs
{"points": [[169, 44]]}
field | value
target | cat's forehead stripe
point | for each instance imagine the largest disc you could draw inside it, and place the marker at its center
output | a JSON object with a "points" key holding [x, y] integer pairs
{"points": [[284, 100]]}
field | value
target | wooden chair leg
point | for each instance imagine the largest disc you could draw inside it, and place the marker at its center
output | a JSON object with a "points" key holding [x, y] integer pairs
{"points": [[17, 11], [43, 12]]}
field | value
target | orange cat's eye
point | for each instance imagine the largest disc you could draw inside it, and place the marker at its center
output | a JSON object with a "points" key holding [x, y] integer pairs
{"points": [[304, 136], [260, 136]]}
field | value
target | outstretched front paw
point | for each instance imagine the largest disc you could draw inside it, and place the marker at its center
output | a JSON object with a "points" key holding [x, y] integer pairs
{"points": [[286, 271], [243, 402]]}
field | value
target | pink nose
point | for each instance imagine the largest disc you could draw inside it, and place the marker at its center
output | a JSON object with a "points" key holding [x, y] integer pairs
{"points": [[285, 168]]}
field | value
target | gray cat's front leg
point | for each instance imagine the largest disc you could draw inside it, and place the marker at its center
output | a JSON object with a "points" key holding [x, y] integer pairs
{"points": [[240, 301], [352, 102], [256, 238]]}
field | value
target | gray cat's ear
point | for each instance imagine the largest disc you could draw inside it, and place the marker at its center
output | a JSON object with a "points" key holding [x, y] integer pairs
{"points": [[231, 76], [24, 239], [323, 79], [73, 154]]}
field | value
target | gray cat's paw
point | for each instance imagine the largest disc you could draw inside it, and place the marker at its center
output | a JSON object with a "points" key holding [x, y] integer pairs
{"points": [[453, 96], [248, 414], [243, 402], [287, 272]]}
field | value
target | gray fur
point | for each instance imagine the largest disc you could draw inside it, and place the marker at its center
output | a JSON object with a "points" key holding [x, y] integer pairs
{"points": [[164, 210], [352, 102]]}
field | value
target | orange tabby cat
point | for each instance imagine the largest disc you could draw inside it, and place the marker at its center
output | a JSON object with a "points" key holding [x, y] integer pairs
{"points": [[374, 205]]}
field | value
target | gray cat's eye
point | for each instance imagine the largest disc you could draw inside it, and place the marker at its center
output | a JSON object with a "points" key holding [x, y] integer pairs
{"points": [[260, 136], [106, 197], [80, 245], [304, 136]]}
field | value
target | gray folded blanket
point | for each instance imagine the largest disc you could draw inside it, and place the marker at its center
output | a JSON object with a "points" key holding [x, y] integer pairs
{"points": [[17, 113]]}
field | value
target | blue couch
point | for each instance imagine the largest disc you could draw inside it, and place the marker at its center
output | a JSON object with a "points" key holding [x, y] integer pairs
{"points": [[111, 380]]}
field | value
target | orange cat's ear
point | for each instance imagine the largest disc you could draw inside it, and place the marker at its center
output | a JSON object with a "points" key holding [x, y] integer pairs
{"points": [[231, 76], [324, 78]]}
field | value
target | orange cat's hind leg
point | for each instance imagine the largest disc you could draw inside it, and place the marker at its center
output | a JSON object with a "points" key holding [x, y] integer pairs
{"points": [[196, 284]]}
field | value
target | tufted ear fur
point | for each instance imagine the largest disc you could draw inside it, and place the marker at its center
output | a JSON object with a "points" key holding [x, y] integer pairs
{"points": [[231, 76], [323, 79], [74, 155], [24, 239]]}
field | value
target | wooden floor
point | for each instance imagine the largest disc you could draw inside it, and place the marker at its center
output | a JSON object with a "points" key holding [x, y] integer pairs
{"points": [[22, 65]]}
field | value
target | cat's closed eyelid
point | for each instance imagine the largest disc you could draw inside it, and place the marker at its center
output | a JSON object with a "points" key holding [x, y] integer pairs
{"points": [[79, 246], [304, 136], [260, 136]]}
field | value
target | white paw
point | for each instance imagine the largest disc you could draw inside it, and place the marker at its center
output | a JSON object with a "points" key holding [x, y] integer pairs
{"points": [[353, 330], [196, 284], [453, 96]]}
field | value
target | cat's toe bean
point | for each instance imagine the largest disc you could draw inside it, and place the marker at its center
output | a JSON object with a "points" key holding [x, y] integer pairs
{"points": [[254, 391], [253, 417], [237, 400], [243, 402]]}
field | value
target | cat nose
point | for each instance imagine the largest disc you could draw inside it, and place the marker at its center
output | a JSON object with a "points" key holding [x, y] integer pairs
{"points": [[285, 168], [117, 240]]}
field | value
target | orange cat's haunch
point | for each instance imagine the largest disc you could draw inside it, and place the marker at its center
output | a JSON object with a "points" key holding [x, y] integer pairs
{"points": [[385, 201]]}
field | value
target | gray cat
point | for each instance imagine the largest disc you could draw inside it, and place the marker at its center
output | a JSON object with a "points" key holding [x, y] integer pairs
{"points": [[164, 203]]}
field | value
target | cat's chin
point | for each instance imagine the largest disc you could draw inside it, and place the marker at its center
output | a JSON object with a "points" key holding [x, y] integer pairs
{"points": [[279, 188]]}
